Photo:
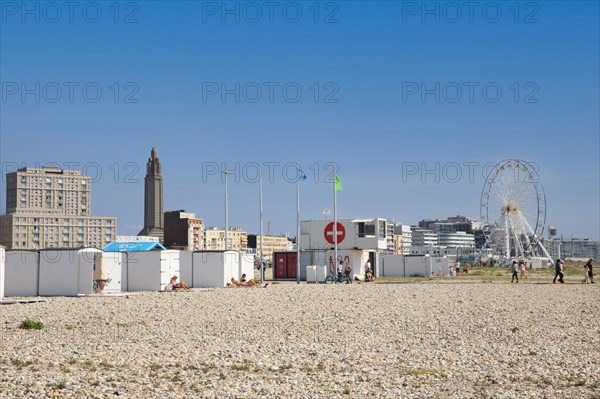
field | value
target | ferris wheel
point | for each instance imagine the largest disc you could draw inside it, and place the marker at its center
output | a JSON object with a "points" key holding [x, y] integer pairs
{"points": [[513, 206]]}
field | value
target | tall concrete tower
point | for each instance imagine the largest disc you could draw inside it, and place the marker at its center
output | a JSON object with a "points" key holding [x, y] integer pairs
{"points": [[153, 199]]}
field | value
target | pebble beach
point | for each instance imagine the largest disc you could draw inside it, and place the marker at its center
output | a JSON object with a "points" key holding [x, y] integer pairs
{"points": [[389, 340]]}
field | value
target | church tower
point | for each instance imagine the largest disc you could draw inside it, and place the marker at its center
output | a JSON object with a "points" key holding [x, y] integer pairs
{"points": [[153, 199]]}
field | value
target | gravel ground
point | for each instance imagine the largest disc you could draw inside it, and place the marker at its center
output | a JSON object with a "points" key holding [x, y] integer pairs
{"points": [[401, 340]]}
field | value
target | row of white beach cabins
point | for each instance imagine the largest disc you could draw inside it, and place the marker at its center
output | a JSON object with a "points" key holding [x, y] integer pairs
{"points": [[75, 272], [65, 272]]}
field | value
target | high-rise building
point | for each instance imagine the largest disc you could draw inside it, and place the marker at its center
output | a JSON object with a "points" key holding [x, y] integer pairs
{"points": [[153, 198], [183, 231], [49, 208]]}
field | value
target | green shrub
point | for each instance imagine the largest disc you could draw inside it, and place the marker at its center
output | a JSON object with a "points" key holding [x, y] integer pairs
{"points": [[31, 325]]}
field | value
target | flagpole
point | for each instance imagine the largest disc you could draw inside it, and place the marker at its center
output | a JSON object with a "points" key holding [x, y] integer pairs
{"points": [[335, 236], [298, 229], [260, 201]]}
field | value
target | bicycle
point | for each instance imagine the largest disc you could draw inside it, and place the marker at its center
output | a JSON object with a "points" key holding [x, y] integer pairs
{"points": [[333, 278]]}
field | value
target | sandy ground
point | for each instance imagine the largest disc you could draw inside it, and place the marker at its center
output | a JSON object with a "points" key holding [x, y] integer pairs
{"points": [[394, 340]]}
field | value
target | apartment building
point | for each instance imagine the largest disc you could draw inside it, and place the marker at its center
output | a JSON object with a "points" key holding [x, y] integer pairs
{"points": [[214, 239], [50, 207]]}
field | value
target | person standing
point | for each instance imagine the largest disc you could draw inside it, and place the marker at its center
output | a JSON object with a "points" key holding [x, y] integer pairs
{"points": [[590, 271], [558, 268], [523, 268], [340, 271], [368, 271], [586, 273], [347, 272], [457, 267], [515, 271]]}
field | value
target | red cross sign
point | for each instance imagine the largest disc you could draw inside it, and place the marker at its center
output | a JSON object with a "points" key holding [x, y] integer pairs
{"points": [[341, 233]]}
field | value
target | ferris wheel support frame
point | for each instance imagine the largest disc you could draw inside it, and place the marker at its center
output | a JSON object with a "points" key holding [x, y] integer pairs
{"points": [[512, 224]]}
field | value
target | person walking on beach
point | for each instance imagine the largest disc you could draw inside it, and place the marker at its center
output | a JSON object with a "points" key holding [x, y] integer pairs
{"points": [[457, 267], [558, 267], [515, 272], [523, 268], [586, 273], [590, 271]]}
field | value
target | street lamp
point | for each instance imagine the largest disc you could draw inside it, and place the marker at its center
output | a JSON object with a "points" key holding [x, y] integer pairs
{"points": [[226, 173], [260, 200]]}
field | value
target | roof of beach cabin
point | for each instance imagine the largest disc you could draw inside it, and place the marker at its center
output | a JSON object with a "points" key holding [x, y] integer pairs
{"points": [[133, 246]]}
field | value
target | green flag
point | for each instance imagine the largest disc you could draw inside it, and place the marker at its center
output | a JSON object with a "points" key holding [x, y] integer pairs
{"points": [[338, 184]]}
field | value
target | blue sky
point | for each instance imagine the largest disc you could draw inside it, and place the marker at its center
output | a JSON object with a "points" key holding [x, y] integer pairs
{"points": [[363, 59]]}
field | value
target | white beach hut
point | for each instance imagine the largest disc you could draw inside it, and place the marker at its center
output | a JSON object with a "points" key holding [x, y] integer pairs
{"points": [[214, 269], [110, 271], [151, 270], [21, 273], [66, 272]]}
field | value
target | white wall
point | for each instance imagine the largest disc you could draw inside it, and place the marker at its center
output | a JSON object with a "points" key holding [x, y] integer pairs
{"points": [[86, 270], [418, 266], [356, 258], [151, 270], [2, 267], [59, 272], [111, 265], [21, 273], [440, 262], [246, 265], [185, 267], [214, 269], [392, 265], [412, 265]]}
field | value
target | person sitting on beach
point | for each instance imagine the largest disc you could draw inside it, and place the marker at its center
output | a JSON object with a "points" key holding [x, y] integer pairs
{"points": [[247, 283], [232, 283], [178, 286]]}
